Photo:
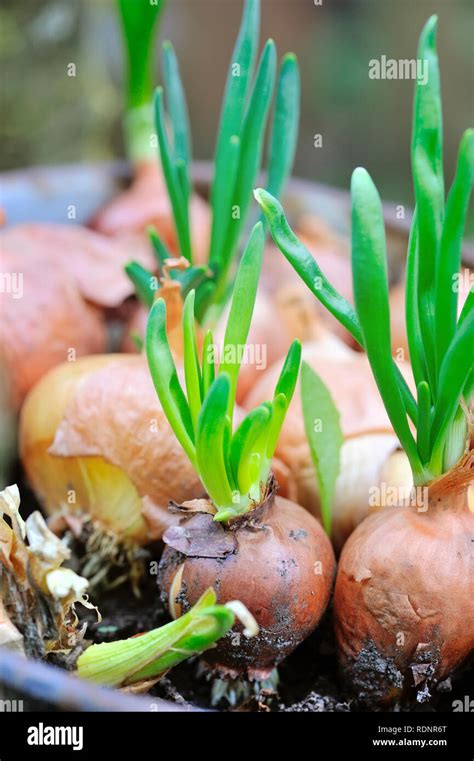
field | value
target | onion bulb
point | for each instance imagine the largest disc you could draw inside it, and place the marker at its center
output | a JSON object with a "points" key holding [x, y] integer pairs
{"points": [[403, 603], [276, 560], [45, 325], [95, 443]]}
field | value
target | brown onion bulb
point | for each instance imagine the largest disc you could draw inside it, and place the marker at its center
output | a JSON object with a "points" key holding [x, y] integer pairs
{"points": [[276, 560], [48, 324], [404, 603], [94, 441], [369, 439]]}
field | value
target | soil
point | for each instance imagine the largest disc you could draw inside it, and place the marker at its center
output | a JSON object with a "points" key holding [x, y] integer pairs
{"points": [[308, 680]]}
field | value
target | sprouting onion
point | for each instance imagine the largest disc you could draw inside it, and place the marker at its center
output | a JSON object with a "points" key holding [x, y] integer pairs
{"points": [[441, 346], [151, 655], [139, 19], [234, 466], [244, 116]]}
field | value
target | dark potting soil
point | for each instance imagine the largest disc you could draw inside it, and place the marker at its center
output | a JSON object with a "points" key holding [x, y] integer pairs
{"points": [[308, 680]]}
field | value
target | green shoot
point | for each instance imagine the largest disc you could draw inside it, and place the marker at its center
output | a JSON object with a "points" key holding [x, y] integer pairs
{"points": [[441, 345], [234, 466], [325, 437], [139, 19], [150, 656], [244, 117]]}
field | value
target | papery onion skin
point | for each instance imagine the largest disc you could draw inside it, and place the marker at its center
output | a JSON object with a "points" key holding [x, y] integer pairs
{"points": [[95, 429], [282, 571], [403, 601], [94, 262]]}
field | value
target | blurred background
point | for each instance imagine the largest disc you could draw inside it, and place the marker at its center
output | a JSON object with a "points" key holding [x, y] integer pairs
{"points": [[49, 118]]}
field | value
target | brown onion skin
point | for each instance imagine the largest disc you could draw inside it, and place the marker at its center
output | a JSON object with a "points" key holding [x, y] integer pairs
{"points": [[404, 596], [273, 573], [94, 262]]}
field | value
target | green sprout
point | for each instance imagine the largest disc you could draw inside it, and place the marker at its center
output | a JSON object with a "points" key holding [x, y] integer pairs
{"points": [[441, 345], [153, 654], [234, 466], [139, 19], [325, 438], [245, 112]]}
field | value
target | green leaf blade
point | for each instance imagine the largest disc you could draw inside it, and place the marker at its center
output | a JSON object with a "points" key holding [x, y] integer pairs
{"points": [[177, 107], [192, 370], [233, 107], [142, 280], [369, 271], [427, 170], [179, 203], [251, 147], [284, 134], [241, 310], [211, 453], [449, 263], [325, 443], [166, 381]]}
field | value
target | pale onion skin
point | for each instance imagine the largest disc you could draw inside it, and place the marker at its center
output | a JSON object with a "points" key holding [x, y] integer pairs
{"points": [[50, 323], [404, 594], [275, 573], [96, 427], [369, 438], [146, 203]]}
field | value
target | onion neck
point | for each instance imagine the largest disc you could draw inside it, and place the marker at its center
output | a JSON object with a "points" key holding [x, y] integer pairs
{"points": [[449, 490], [251, 509], [138, 132], [449, 454]]}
